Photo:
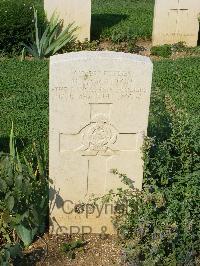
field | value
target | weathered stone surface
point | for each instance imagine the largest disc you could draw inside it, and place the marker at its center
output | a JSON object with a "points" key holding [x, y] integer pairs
{"points": [[176, 21], [99, 107], [77, 11]]}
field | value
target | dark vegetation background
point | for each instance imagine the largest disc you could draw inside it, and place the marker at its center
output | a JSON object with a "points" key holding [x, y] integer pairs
{"points": [[115, 20]]}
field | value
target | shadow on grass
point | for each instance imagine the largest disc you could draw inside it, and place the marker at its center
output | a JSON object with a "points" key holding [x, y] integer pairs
{"points": [[20, 144], [159, 128], [198, 42], [159, 119], [103, 21], [32, 258]]}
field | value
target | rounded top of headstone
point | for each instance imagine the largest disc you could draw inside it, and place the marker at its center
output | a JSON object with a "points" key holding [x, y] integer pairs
{"points": [[87, 55]]}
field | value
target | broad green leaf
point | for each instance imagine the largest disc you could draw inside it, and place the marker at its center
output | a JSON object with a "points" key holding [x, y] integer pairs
{"points": [[18, 181], [26, 234], [15, 251], [3, 185], [6, 217], [10, 203]]}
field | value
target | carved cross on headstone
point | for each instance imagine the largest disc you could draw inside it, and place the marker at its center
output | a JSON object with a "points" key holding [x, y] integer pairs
{"points": [[176, 21], [97, 142], [180, 15]]}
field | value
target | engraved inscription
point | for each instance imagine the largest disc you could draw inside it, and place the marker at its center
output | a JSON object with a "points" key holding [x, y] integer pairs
{"points": [[90, 86]]}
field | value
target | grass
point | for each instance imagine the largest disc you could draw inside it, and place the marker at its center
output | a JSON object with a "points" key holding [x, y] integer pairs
{"points": [[23, 100], [181, 80], [178, 79], [122, 19], [24, 95]]}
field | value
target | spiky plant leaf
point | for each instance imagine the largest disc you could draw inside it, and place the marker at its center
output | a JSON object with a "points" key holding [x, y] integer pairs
{"points": [[53, 38], [12, 143]]}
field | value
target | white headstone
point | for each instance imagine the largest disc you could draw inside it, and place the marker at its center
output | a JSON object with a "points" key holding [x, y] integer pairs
{"points": [[77, 11], [176, 21], [99, 107]]}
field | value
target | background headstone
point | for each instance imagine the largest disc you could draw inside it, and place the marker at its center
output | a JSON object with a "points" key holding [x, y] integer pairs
{"points": [[77, 11], [176, 21], [99, 107]]}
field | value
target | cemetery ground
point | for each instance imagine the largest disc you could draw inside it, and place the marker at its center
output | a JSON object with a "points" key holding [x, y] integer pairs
{"points": [[120, 26], [24, 100]]}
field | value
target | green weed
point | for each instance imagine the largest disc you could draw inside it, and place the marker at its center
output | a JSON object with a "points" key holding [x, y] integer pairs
{"points": [[161, 226]]}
